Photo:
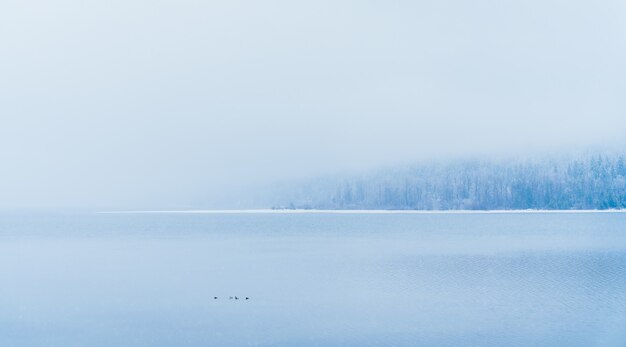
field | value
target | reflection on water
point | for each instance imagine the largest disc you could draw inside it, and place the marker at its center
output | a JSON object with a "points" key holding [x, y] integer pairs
{"points": [[332, 280]]}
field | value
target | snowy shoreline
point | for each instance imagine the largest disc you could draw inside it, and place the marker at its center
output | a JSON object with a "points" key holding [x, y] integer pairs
{"points": [[313, 211]]}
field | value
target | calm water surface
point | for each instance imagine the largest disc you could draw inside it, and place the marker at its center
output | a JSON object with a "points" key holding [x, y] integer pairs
{"points": [[313, 279]]}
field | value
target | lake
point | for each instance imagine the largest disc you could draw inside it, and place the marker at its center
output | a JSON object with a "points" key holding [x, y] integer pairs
{"points": [[313, 279]]}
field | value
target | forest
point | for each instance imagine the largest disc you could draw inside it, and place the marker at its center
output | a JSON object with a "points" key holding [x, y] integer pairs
{"points": [[595, 181]]}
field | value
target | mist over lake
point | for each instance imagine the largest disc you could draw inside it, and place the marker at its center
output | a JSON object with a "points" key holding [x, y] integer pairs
{"points": [[312, 173], [138, 104]]}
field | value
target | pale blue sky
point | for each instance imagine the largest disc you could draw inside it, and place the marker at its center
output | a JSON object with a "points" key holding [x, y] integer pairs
{"points": [[162, 103]]}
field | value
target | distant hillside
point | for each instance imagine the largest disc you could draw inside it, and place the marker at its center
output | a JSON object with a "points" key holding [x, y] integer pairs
{"points": [[589, 182]]}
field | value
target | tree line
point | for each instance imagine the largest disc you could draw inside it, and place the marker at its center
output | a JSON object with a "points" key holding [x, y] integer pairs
{"points": [[588, 182]]}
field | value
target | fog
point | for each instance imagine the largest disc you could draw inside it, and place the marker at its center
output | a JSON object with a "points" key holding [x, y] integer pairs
{"points": [[161, 104]]}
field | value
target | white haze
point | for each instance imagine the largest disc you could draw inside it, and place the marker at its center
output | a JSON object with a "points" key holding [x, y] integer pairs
{"points": [[136, 103]]}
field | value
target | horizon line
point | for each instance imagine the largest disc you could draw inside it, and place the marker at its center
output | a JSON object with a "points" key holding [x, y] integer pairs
{"points": [[359, 211]]}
